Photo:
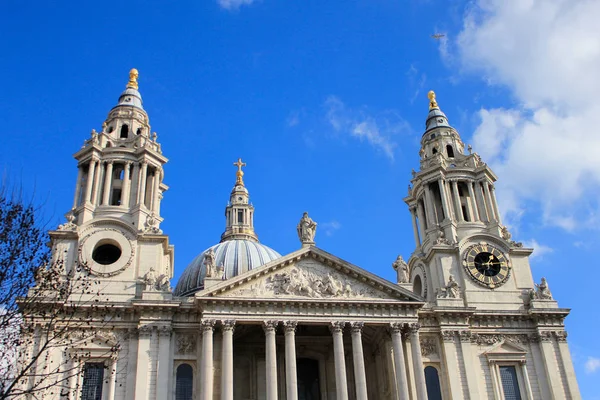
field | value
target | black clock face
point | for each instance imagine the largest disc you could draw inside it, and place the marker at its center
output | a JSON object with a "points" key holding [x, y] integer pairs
{"points": [[487, 265]]}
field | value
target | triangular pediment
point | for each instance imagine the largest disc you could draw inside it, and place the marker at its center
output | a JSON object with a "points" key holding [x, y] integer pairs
{"points": [[310, 273], [506, 350]]}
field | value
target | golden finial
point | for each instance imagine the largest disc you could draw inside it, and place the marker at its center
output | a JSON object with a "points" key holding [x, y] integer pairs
{"points": [[133, 76], [239, 173], [432, 102]]}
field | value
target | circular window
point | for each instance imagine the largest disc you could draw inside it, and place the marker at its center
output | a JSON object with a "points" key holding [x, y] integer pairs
{"points": [[106, 254]]}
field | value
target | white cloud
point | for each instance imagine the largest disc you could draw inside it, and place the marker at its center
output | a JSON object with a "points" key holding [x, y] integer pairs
{"points": [[592, 365], [330, 227], [539, 250], [234, 4], [546, 150], [378, 130]]}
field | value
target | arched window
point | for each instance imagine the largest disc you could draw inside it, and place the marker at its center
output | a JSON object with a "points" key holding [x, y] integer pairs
{"points": [[124, 131], [418, 285], [434, 151], [432, 381], [184, 383], [139, 131], [450, 151]]}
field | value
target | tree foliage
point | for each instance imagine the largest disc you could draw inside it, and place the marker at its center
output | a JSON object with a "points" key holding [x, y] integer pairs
{"points": [[51, 318]]}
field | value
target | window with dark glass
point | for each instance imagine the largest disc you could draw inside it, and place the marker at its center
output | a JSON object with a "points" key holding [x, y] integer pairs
{"points": [[93, 375], [184, 382], [124, 131], [510, 383], [240, 216], [432, 382], [308, 379]]}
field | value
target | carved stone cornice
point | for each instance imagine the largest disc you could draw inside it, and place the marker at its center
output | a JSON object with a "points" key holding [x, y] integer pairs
{"points": [[337, 326], [207, 325], [228, 324], [290, 326], [270, 325]]}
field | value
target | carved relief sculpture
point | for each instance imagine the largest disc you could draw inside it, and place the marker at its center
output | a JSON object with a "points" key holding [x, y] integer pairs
{"points": [[401, 268], [307, 229], [186, 344]]}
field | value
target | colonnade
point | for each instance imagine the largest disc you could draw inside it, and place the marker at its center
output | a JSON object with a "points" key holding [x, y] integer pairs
{"points": [[481, 205], [96, 186], [291, 381]]}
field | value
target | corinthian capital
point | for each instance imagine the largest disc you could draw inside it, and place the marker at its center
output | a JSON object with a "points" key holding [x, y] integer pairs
{"points": [[270, 325], [207, 325], [356, 327], [337, 326], [290, 326], [228, 324]]}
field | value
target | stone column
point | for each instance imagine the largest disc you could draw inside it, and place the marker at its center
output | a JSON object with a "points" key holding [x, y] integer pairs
{"points": [[143, 361], [468, 360], [421, 216], [341, 388], [444, 198], [156, 190], [473, 201], [78, 186], [132, 354], [399, 362], [494, 202], [413, 214], [488, 200], [164, 361], [90, 181], [429, 207], [227, 327], [417, 361], [482, 203], [358, 358], [271, 358], [107, 182], [457, 205], [291, 377], [135, 177], [97, 189], [206, 368], [528, 389], [126, 188], [141, 197]]}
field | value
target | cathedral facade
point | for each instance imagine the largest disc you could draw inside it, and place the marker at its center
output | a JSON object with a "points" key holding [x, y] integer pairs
{"points": [[464, 319]]}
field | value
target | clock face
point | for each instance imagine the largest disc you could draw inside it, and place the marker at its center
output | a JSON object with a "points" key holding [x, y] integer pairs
{"points": [[487, 265]]}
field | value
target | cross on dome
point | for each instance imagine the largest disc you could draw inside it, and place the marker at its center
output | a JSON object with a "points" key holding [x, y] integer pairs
{"points": [[239, 173]]}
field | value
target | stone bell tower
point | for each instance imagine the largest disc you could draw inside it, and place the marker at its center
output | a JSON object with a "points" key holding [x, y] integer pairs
{"points": [[457, 225], [113, 228]]}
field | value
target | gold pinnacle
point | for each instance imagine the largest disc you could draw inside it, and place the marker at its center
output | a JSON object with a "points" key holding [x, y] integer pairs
{"points": [[432, 102], [239, 173], [133, 76]]}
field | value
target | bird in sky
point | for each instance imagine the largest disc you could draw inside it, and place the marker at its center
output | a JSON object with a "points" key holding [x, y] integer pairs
{"points": [[438, 36]]}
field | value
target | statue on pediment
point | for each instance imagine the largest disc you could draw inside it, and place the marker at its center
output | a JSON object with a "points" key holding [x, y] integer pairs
{"points": [[209, 264], [150, 279], [451, 290], [542, 291], [307, 229], [401, 268]]}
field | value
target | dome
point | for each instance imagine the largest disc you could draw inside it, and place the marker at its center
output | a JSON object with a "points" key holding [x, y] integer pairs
{"points": [[236, 256]]}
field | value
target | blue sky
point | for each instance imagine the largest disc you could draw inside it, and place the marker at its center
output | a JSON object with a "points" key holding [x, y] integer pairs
{"points": [[326, 103]]}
